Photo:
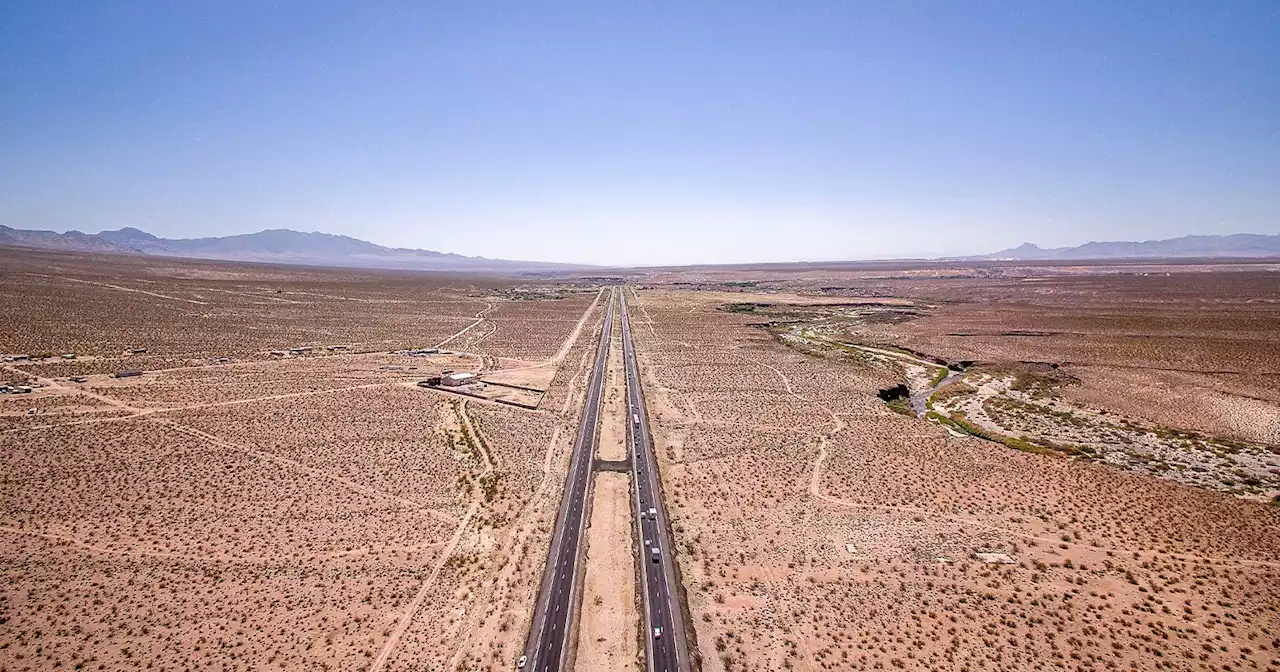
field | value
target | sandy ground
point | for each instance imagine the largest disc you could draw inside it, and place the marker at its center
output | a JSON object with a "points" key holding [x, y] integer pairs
{"points": [[613, 422], [609, 619], [801, 299], [820, 530], [538, 377], [233, 510]]}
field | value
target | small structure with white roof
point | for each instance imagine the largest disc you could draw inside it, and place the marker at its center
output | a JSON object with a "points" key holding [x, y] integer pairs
{"points": [[459, 378]]}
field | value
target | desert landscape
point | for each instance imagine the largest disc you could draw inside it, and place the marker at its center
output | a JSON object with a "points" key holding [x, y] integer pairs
{"points": [[230, 466], [823, 528], [640, 337], [215, 465]]}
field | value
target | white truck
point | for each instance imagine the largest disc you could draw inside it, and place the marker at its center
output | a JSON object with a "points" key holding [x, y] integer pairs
{"points": [[635, 418], [656, 554]]}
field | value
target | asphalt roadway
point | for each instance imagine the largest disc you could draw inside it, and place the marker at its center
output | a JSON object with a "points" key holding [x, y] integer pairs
{"points": [[670, 652], [557, 602]]}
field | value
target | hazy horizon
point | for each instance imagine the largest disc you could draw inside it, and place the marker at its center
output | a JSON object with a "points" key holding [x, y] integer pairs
{"points": [[815, 260], [646, 135]]}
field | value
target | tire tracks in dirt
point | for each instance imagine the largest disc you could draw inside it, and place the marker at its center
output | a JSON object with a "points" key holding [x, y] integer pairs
{"points": [[131, 289], [293, 464], [406, 619], [138, 412], [480, 317], [477, 498], [244, 559], [565, 346]]}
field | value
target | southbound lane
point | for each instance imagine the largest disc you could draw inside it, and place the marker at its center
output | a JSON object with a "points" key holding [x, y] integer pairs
{"points": [[557, 598], [668, 652]]}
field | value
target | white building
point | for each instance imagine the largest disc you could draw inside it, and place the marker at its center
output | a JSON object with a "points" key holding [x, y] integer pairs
{"points": [[463, 378]]}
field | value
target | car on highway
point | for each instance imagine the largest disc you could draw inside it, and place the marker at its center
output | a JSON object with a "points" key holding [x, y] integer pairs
{"points": [[653, 513], [657, 633], [657, 555], [635, 418]]}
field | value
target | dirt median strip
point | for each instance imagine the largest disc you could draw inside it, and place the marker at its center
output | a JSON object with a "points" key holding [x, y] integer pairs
{"points": [[613, 421], [609, 619]]}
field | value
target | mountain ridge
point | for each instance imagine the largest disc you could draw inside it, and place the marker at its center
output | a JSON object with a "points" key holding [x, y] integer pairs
{"points": [[287, 246], [284, 246], [1213, 245]]}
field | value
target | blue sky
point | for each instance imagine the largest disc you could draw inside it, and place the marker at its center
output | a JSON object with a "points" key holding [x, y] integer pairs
{"points": [[657, 132]]}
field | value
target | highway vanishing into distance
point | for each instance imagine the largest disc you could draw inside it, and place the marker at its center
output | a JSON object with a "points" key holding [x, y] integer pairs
{"points": [[553, 615], [659, 588], [550, 636]]}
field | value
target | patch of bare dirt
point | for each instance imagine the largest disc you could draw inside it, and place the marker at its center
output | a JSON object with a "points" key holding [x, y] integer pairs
{"points": [[613, 420], [609, 623]]}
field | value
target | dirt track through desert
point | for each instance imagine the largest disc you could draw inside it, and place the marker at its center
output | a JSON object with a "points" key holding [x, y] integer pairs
{"points": [[403, 624], [302, 467], [479, 320]]}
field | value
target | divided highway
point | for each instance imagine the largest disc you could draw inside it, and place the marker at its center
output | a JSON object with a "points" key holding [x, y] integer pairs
{"points": [[553, 614], [667, 651]]}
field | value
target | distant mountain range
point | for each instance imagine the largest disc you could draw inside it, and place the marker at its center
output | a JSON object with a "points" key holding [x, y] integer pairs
{"points": [[1234, 245], [280, 246], [283, 246]]}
